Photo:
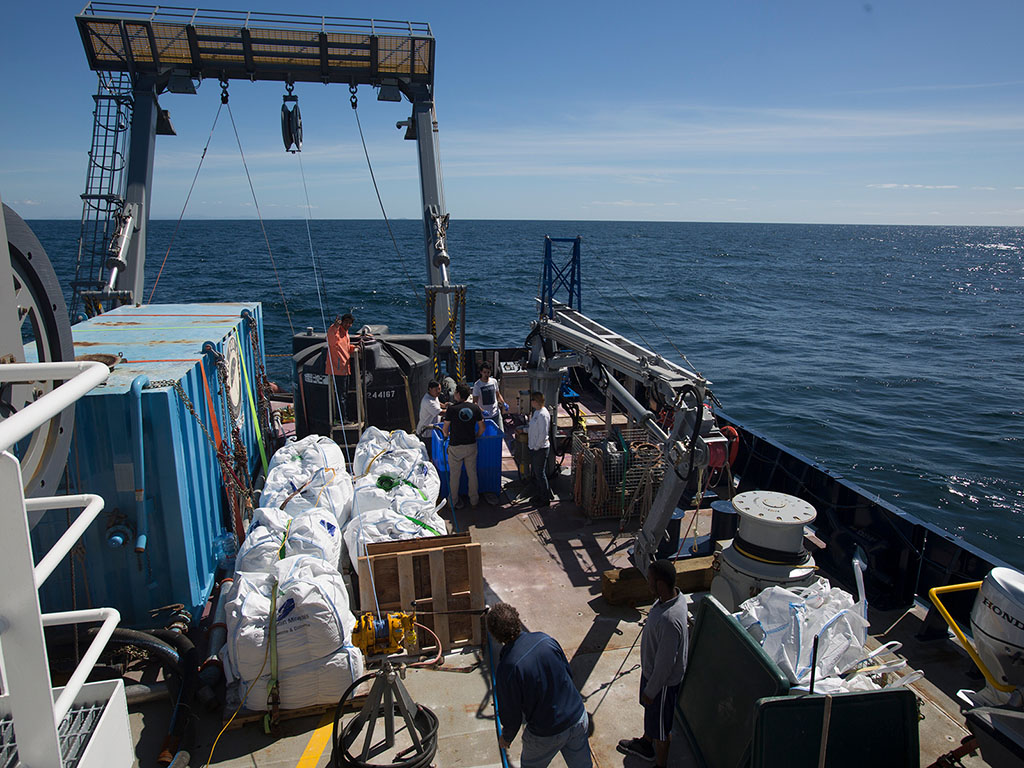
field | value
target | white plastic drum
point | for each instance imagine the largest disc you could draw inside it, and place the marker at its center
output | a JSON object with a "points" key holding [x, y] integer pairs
{"points": [[773, 520]]}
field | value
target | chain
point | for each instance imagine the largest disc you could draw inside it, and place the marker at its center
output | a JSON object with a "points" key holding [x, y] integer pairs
{"points": [[262, 386], [228, 475], [224, 91], [353, 99]]}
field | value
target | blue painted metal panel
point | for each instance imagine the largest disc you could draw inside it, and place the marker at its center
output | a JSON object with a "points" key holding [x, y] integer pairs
{"points": [[183, 487]]}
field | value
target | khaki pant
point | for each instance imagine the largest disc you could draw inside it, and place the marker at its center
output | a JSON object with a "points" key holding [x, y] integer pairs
{"points": [[457, 456]]}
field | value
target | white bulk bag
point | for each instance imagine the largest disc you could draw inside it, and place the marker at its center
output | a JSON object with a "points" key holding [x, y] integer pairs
{"points": [[314, 532], [322, 681], [786, 621], [313, 616], [395, 515], [374, 443], [316, 465]]}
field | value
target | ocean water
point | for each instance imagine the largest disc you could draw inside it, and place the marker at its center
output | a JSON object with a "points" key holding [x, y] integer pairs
{"points": [[893, 354]]}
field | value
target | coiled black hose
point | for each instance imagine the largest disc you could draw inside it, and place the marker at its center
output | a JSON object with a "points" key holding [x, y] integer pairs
{"points": [[425, 721]]}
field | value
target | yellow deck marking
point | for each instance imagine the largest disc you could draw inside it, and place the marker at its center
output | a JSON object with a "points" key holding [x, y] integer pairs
{"points": [[317, 742]]}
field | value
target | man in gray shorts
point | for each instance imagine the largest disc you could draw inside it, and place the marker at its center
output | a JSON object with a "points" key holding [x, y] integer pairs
{"points": [[662, 663]]}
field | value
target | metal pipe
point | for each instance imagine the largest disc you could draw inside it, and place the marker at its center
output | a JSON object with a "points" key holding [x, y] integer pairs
{"points": [[219, 631], [78, 377], [110, 617], [645, 418], [92, 504], [138, 449]]}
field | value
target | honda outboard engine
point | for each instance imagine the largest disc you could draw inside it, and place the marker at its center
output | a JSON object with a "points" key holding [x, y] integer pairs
{"points": [[997, 623], [995, 714]]}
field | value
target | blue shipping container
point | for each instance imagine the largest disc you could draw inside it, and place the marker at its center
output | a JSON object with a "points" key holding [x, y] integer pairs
{"points": [[183, 508]]}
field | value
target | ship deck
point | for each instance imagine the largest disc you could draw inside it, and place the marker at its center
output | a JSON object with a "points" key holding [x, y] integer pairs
{"points": [[548, 563]]}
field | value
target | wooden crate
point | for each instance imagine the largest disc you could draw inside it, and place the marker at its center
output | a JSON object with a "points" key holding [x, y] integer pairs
{"points": [[442, 573]]}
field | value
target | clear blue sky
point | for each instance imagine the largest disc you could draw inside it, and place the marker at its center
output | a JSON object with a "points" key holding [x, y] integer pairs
{"points": [[776, 111]]}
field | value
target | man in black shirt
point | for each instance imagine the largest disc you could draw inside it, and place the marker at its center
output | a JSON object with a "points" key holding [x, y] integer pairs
{"points": [[463, 424]]}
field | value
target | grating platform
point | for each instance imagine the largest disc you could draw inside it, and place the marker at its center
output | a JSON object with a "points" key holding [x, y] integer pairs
{"points": [[155, 40], [75, 730]]}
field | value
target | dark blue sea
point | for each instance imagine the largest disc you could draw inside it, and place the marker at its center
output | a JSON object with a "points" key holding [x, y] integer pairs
{"points": [[893, 354]]}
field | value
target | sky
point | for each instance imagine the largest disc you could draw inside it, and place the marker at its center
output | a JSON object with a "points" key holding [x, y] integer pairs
{"points": [[808, 111]]}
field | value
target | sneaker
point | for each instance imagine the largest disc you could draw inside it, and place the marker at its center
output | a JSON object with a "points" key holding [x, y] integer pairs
{"points": [[460, 504], [637, 747], [474, 503]]}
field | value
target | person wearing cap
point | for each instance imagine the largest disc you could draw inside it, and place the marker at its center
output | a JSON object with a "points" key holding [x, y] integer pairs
{"points": [[534, 685], [487, 395], [663, 650]]}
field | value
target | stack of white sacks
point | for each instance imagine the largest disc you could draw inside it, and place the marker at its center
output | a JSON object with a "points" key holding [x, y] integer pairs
{"points": [[396, 492], [296, 550], [310, 514]]}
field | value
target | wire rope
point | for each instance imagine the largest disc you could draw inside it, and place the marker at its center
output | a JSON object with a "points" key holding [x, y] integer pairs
{"points": [[380, 201], [188, 197], [259, 215]]}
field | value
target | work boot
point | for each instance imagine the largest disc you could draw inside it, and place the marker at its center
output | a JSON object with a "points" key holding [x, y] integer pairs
{"points": [[637, 747]]}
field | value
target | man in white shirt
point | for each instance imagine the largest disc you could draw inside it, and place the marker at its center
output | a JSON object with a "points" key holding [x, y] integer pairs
{"points": [[487, 395], [431, 409], [540, 445]]}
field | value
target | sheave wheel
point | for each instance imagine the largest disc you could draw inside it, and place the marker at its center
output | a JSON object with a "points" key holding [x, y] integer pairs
{"points": [[43, 317]]}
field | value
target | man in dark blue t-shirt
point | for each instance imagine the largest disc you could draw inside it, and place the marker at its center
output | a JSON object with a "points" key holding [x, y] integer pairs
{"points": [[534, 683], [463, 424]]}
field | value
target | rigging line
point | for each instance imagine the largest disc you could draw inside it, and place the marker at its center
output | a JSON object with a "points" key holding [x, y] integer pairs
{"points": [[259, 215], [320, 297], [622, 317], [309, 236], [188, 197], [659, 328], [405, 268]]}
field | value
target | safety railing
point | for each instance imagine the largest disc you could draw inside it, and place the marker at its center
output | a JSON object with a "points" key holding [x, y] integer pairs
{"points": [[37, 716]]}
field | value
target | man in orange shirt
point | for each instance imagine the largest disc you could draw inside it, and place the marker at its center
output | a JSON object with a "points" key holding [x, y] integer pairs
{"points": [[339, 355]]}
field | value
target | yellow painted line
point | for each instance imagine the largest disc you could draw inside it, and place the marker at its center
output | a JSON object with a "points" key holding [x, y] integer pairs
{"points": [[317, 742]]}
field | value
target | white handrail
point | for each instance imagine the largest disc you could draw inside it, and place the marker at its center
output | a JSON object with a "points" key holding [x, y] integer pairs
{"points": [[80, 377], [93, 506], [110, 617], [26, 664]]}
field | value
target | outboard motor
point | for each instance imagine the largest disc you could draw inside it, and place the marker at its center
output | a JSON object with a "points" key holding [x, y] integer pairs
{"points": [[995, 714], [768, 548]]}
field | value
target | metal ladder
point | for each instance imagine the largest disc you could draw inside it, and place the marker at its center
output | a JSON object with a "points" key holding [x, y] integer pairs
{"points": [[103, 199]]}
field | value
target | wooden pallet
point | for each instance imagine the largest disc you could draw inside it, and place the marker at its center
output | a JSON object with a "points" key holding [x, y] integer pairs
{"points": [[245, 717], [442, 573]]}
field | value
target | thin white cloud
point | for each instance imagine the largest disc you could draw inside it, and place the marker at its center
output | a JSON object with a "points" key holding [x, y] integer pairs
{"points": [[984, 189], [624, 203], [942, 87], [913, 186]]}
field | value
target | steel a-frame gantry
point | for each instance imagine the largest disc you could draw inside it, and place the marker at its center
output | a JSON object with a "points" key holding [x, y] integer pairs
{"points": [[167, 49]]}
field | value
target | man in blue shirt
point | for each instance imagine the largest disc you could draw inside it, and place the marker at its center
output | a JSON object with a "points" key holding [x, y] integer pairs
{"points": [[534, 683]]}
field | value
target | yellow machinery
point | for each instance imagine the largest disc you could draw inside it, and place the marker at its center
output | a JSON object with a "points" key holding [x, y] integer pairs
{"points": [[388, 634]]}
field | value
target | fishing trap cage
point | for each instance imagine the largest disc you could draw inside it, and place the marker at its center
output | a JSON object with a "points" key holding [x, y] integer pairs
{"points": [[616, 474]]}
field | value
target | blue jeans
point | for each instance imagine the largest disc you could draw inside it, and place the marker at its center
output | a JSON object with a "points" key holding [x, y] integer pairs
{"points": [[539, 751]]}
